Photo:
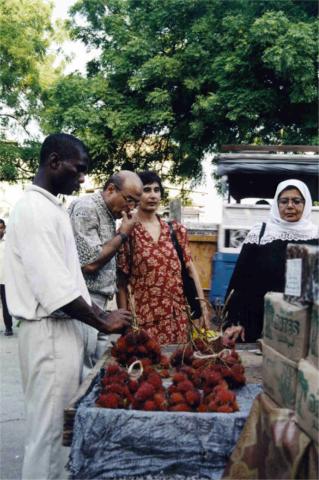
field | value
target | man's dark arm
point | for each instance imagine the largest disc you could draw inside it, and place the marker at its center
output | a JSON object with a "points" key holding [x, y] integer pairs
{"points": [[111, 322]]}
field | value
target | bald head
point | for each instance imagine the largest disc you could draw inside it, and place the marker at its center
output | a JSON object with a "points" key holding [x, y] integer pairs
{"points": [[123, 177], [122, 192]]}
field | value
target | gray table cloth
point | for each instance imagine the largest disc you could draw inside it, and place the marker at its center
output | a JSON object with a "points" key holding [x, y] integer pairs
{"points": [[131, 444]]}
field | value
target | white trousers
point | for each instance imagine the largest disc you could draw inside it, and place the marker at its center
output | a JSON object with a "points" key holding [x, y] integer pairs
{"points": [[98, 342], [51, 361]]}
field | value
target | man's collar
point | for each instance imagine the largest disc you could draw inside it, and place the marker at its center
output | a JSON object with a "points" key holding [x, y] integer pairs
{"points": [[45, 193], [103, 203]]}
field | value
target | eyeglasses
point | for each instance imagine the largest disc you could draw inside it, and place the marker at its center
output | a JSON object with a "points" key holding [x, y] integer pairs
{"points": [[130, 201], [295, 201]]}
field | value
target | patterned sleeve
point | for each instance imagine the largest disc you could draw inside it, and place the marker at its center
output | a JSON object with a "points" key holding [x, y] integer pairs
{"points": [[85, 224], [123, 258], [182, 238]]}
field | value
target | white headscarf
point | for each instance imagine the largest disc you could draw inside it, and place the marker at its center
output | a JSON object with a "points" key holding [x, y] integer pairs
{"points": [[279, 229]]}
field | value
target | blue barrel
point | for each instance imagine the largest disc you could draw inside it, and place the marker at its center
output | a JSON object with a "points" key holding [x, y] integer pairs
{"points": [[223, 266]]}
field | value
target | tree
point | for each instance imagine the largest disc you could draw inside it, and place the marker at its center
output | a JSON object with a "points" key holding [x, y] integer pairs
{"points": [[175, 79], [25, 71]]}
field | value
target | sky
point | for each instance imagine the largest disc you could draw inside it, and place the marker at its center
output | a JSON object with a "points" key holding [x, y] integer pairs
{"points": [[209, 200]]}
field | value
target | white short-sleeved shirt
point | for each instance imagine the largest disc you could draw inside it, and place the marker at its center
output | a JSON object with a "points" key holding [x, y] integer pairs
{"points": [[41, 266]]}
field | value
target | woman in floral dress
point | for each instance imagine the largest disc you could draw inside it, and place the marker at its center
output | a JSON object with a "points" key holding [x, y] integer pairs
{"points": [[149, 263]]}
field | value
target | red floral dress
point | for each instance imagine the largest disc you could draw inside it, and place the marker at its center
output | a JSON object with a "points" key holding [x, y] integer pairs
{"points": [[155, 277]]}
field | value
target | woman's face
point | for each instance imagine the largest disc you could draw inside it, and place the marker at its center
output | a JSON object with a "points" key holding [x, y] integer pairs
{"points": [[150, 198], [291, 205]]}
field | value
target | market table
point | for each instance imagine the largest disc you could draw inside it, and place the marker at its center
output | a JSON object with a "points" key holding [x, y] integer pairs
{"points": [[136, 444]]}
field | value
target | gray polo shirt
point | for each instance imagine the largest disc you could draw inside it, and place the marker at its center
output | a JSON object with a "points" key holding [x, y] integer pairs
{"points": [[93, 225]]}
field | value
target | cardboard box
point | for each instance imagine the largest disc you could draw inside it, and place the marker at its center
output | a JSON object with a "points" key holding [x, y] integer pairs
{"points": [[302, 274], [313, 353], [307, 399], [286, 326], [279, 377]]}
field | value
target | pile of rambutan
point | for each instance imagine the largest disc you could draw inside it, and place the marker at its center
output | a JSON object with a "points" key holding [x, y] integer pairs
{"points": [[199, 383], [115, 392], [182, 356], [183, 396], [150, 392], [136, 345], [220, 400]]}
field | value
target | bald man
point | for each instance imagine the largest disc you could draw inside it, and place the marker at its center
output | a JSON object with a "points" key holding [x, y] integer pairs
{"points": [[93, 221]]}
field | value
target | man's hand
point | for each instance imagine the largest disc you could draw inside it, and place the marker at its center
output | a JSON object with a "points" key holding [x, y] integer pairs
{"points": [[114, 322], [128, 221]]}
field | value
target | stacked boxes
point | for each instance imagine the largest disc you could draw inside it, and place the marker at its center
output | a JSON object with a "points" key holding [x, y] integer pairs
{"points": [[279, 377], [286, 326], [307, 400], [291, 340], [313, 353]]}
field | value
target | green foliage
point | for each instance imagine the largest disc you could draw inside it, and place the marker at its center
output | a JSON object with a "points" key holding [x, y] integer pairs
{"points": [[25, 30], [175, 79], [18, 163], [26, 70]]}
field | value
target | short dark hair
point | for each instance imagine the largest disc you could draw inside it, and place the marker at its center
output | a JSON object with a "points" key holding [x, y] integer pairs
{"points": [[65, 145], [3, 222], [117, 179], [290, 187], [149, 177]]}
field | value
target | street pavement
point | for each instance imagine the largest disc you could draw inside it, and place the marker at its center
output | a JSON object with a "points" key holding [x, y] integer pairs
{"points": [[12, 421]]}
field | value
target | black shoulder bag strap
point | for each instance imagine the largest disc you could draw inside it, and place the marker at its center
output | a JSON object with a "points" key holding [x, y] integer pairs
{"points": [[262, 231], [189, 287], [176, 244]]}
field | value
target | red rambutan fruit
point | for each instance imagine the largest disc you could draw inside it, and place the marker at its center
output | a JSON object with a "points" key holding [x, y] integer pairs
{"points": [[155, 380], [136, 404], [112, 369], [121, 344], [198, 363], [185, 386], [150, 406], [179, 377], [160, 400], [172, 389], [224, 409], [109, 400], [188, 371], [146, 362], [144, 392], [133, 386], [152, 345], [212, 406], [131, 339], [116, 388], [176, 398], [142, 350], [164, 361], [212, 379], [193, 397], [180, 407], [164, 373], [142, 337], [202, 408]]}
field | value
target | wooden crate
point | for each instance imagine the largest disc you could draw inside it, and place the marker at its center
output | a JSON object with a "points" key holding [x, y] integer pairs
{"points": [[203, 248]]}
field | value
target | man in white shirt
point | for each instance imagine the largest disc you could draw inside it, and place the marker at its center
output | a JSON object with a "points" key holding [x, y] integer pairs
{"points": [[46, 292], [5, 312]]}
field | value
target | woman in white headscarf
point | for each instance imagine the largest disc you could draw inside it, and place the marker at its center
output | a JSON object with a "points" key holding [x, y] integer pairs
{"points": [[260, 267]]}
